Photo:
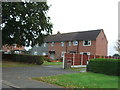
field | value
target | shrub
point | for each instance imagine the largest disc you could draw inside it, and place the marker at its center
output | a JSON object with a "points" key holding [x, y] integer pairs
{"points": [[105, 66], [47, 59], [30, 59]]}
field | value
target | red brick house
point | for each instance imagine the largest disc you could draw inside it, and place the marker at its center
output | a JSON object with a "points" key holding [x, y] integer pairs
{"points": [[14, 48], [92, 42]]}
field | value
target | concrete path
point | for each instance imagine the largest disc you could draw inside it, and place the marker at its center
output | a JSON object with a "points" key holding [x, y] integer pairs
{"points": [[19, 77]]}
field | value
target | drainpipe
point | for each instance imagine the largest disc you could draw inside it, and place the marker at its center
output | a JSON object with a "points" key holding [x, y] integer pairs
{"points": [[78, 47], [66, 47]]}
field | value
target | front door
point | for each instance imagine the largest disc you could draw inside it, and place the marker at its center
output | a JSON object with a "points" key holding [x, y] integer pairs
{"points": [[52, 56]]}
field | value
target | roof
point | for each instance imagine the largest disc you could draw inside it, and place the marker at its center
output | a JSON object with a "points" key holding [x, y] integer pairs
{"points": [[82, 35]]}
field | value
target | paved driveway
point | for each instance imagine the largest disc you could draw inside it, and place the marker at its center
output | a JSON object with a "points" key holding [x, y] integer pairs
{"points": [[19, 77]]}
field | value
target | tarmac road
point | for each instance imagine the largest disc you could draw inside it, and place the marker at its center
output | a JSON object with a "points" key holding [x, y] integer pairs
{"points": [[20, 77]]}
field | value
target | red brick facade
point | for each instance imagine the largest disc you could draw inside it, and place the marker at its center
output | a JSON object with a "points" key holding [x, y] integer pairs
{"points": [[97, 47], [7, 48]]}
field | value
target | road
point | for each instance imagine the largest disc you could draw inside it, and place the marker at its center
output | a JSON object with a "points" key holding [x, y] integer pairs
{"points": [[20, 77]]}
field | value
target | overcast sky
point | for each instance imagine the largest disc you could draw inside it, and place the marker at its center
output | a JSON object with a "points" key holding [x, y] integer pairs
{"points": [[81, 15]]}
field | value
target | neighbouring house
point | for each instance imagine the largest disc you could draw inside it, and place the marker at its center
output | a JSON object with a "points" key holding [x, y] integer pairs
{"points": [[40, 50], [13, 49], [92, 42]]}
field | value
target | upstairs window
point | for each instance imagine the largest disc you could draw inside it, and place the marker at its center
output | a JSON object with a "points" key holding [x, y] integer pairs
{"points": [[37, 45], [69, 43], [87, 43], [44, 44], [62, 44], [52, 44], [75, 43]]}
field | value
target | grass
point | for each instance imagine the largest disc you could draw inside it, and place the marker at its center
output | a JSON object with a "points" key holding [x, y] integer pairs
{"points": [[82, 80], [15, 64], [52, 63], [0, 64]]}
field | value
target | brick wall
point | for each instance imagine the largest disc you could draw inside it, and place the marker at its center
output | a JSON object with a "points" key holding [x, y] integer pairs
{"points": [[101, 44], [91, 49], [66, 48]]}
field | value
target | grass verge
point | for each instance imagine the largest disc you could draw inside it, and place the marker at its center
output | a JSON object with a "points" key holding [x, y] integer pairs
{"points": [[15, 64], [52, 63], [82, 80]]}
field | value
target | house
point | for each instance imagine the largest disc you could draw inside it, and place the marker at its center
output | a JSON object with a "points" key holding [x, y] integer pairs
{"points": [[13, 49], [40, 50], [92, 42]]}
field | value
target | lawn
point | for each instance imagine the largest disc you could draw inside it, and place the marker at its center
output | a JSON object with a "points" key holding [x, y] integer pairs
{"points": [[82, 80], [15, 64], [52, 63]]}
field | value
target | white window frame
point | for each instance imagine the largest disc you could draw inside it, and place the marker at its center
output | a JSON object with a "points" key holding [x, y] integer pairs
{"points": [[37, 45], [88, 53], [69, 43], [44, 44], [44, 53], [75, 43], [52, 44], [62, 44], [35, 53], [89, 41], [62, 53], [14, 45]]}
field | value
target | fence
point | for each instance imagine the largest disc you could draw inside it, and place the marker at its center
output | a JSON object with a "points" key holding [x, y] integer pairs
{"points": [[80, 60]]}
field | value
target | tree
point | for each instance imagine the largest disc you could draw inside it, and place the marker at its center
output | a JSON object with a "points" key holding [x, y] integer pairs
{"points": [[116, 55], [25, 23], [117, 47]]}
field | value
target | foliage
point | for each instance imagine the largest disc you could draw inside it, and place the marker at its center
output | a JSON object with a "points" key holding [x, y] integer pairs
{"points": [[82, 80], [116, 55], [117, 47], [30, 59], [16, 64], [105, 66], [25, 23]]}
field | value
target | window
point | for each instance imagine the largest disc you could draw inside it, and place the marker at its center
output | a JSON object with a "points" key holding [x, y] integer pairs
{"points": [[85, 53], [87, 43], [44, 44], [52, 44], [35, 53], [37, 45], [15, 45], [75, 43], [62, 53], [62, 43], [44, 53], [69, 43]]}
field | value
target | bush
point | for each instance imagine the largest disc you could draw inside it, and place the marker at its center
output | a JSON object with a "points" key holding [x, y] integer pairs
{"points": [[30, 59], [104, 66]]}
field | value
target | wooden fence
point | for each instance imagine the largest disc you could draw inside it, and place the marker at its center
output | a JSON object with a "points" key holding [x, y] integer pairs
{"points": [[79, 59]]}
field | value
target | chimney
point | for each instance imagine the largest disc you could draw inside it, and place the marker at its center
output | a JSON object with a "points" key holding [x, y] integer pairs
{"points": [[58, 32]]}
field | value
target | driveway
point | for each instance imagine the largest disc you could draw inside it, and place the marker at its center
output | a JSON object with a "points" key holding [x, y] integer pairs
{"points": [[19, 77]]}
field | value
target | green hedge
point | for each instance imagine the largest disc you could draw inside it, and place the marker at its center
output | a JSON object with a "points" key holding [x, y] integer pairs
{"points": [[104, 66], [30, 59]]}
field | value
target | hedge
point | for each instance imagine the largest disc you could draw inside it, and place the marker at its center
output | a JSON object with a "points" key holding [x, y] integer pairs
{"points": [[30, 59], [104, 66]]}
